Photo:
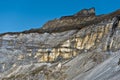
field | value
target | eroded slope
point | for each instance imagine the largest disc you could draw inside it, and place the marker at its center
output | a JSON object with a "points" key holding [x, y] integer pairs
{"points": [[73, 47]]}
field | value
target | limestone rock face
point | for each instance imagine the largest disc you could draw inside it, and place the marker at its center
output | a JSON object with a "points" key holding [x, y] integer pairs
{"points": [[78, 47]]}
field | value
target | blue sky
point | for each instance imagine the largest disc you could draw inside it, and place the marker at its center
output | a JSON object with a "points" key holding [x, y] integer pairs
{"points": [[19, 15]]}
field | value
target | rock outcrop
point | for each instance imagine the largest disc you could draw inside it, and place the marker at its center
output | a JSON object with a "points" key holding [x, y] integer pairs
{"points": [[70, 48], [86, 12]]}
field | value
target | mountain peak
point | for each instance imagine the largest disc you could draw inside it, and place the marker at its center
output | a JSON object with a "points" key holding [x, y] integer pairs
{"points": [[86, 12]]}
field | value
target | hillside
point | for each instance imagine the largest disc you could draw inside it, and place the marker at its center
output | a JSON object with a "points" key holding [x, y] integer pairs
{"points": [[82, 46]]}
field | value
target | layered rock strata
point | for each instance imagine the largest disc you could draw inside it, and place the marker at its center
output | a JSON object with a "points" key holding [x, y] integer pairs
{"points": [[82, 37]]}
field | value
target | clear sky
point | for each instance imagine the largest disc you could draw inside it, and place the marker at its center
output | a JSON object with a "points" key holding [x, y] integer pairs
{"points": [[19, 15]]}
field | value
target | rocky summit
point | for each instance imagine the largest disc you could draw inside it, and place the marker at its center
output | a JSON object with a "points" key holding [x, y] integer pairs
{"points": [[82, 46]]}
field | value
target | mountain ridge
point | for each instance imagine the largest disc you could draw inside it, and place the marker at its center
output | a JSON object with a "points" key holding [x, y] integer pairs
{"points": [[97, 19]]}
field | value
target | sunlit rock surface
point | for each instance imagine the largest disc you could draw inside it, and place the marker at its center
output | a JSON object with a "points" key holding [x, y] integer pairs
{"points": [[82, 46]]}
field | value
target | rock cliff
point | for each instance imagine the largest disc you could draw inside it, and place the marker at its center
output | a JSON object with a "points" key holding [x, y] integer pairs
{"points": [[83, 46]]}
